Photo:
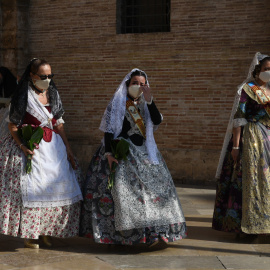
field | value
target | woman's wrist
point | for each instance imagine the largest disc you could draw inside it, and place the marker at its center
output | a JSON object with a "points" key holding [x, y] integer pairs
{"points": [[108, 154], [236, 147], [150, 101]]}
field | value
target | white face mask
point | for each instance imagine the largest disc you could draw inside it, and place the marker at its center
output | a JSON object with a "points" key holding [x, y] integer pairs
{"points": [[134, 91], [42, 84], [265, 76]]}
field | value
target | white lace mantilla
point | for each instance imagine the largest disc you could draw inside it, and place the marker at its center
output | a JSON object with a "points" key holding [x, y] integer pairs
{"points": [[112, 120]]}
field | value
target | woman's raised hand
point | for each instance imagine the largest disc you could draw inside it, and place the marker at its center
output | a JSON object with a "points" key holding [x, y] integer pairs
{"points": [[146, 92]]}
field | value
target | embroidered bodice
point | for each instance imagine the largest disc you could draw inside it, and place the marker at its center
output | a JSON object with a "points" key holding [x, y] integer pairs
{"points": [[250, 110], [130, 129]]}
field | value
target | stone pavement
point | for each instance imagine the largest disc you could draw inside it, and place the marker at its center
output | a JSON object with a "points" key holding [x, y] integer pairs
{"points": [[203, 249]]}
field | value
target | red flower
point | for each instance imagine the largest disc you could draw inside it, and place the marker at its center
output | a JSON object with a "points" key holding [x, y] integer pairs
{"points": [[89, 196], [36, 145], [106, 200]]}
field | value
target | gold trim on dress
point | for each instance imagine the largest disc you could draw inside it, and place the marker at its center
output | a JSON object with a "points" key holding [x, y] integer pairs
{"points": [[133, 111]]}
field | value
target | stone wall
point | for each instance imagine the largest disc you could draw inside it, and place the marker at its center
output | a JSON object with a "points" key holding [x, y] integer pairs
{"points": [[14, 31], [193, 70]]}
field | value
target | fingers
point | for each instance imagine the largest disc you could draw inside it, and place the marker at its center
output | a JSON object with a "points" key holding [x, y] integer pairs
{"points": [[28, 152], [111, 159], [71, 159], [73, 163], [145, 88], [235, 155], [146, 92]]}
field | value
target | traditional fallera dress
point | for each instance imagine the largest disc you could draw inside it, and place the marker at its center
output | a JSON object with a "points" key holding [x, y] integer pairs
{"points": [[142, 206], [46, 201], [243, 190]]}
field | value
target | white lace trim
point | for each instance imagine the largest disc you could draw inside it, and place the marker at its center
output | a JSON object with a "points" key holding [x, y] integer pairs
{"points": [[38, 110], [59, 121], [238, 122], [149, 188]]}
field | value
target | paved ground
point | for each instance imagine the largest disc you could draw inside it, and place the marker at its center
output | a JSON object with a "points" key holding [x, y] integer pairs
{"points": [[203, 249]]}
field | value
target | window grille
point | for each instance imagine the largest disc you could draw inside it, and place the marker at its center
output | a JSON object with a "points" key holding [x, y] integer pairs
{"points": [[143, 16]]}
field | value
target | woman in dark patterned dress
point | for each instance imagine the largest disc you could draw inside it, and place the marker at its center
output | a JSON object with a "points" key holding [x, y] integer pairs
{"points": [[142, 206], [243, 190]]}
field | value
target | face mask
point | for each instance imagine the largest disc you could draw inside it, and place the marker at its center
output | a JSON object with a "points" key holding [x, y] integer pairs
{"points": [[42, 84], [265, 76], [134, 91]]}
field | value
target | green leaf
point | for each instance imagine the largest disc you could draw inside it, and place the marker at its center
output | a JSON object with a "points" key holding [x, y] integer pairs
{"points": [[27, 132], [30, 145], [28, 166], [37, 135], [20, 133], [113, 146], [122, 149]]}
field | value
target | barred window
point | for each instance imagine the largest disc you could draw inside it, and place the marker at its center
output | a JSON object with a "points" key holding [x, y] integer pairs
{"points": [[143, 16]]}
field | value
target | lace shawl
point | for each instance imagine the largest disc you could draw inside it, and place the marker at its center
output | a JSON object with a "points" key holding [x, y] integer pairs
{"points": [[112, 120], [19, 102], [258, 56]]}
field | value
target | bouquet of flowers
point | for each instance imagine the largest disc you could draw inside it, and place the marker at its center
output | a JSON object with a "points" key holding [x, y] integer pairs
{"points": [[31, 137], [120, 151]]}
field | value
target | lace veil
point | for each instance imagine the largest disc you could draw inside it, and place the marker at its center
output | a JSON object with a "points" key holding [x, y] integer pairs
{"points": [[257, 58], [112, 120], [20, 98]]}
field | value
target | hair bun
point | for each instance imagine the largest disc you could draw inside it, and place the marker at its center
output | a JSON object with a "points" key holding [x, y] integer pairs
{"points": [[32, 60]]}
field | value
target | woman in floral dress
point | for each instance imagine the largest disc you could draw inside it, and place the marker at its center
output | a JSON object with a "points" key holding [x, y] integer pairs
{"points": [[243, 191], [45, 202], [142, 206]]}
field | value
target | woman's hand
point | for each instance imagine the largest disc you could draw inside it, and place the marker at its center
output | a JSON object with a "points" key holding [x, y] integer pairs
{"points": [[235, 155], [147, 93], [27, 151], [71, 159], [60, 130], [111, 159]]}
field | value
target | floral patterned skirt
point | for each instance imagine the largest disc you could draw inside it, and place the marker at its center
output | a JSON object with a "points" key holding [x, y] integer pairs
{"points": [[98, 219], [16, 220]]}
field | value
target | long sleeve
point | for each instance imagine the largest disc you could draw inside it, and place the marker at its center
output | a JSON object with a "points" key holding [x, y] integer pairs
{"points": [[107, 140], [240, 115], [154, 113]]}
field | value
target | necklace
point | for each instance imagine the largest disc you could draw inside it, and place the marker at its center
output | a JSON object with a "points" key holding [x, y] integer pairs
{"points": [[43, 92]]}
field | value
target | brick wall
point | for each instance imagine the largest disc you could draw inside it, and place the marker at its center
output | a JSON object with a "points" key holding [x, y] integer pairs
{"points": [[193, 70]]}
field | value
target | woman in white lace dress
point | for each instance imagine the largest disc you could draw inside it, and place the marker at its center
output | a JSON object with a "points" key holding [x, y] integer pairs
{"points": [[142, 206], [45, 202]]}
